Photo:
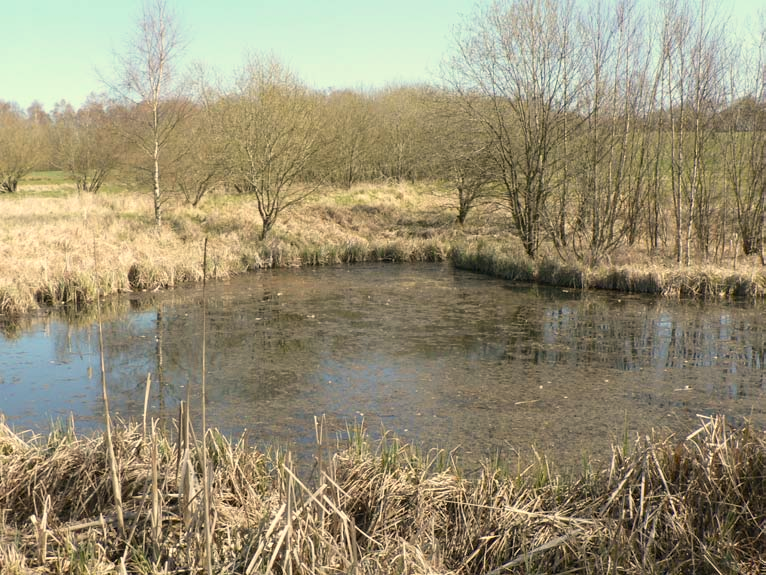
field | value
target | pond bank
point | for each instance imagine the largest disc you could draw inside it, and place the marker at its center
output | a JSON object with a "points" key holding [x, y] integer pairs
{"points": [[65, 248], [662, 505], [709, 282]]}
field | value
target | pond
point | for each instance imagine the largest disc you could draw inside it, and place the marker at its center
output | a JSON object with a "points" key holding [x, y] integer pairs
{"points": [[434, 355]]}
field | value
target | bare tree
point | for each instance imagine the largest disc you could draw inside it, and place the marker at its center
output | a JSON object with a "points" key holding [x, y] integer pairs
{"points": [[693, 78], [613, 147], [520, 56], [350, 133], [460, 155], [399, 121], [272, 127], [83, 144], [197, 162], [744, 123], [147, 85], [20, 146]]}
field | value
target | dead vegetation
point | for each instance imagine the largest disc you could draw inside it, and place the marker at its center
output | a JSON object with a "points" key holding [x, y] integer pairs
{"points": [[46, 243], [505, 259], [46, 246], [670, 505]]}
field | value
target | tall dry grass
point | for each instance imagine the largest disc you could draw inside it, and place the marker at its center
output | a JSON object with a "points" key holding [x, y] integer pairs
{"points": [[46, 254], [46, 245], [669, 505], [506, 259]]}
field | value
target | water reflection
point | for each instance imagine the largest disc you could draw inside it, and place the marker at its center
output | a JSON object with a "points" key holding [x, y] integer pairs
{"points": [[631, 336], [439, 356]]}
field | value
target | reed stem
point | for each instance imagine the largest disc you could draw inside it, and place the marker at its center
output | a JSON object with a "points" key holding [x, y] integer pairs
{"points": [[205, 474], [116, 487]]}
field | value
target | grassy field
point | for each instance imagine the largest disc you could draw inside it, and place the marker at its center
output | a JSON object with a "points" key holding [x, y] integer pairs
{"points": [[694, 505], [59, 247]]}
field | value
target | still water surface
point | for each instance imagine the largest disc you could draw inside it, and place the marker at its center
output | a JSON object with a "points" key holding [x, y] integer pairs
{"points": [[437, 356]]}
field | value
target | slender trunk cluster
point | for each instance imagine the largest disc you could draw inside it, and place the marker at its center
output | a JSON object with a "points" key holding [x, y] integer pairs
{"points": [[609, 123]]}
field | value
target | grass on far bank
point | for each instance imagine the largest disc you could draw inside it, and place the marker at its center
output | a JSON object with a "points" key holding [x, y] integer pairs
{"points": [[60, 247], [492, 257], [65, 248], [675, 505]]}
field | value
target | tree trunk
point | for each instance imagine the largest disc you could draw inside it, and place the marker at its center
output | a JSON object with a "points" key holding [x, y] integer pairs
{"points": [[157, 203]]}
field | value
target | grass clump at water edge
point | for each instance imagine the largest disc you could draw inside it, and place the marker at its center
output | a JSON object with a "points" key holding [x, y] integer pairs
{"points": [[507, 260], [46, 247], [692, 506]]}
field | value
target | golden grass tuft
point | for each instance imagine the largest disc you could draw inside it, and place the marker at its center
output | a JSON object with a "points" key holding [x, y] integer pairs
{"points": [[671, 505], [14, 299], [495, 258], [54, 264]]}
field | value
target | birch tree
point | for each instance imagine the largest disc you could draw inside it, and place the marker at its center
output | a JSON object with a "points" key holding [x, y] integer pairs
{"points": [[148, 86]]}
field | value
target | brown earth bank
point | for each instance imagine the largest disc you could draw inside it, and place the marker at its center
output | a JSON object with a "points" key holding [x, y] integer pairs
{"points": [[58, 247], [663, 505]]}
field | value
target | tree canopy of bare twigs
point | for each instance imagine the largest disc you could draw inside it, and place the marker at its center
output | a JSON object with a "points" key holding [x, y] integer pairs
{"points": [[516, 70], [607, 182], [20, 146], [461, 155], [83, 145], [744, 124], [198, 161], [350, 138], [272, 126]]}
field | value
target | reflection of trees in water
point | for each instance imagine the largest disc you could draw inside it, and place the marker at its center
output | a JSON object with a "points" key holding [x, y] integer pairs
{"points": [[254, 348], [133, 346], [158, 354], [75, 316], [12, 328], [630, 336], [264, 348]]}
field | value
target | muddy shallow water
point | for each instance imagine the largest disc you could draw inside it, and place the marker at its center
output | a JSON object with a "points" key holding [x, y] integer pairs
{"points": [[437, 356]]}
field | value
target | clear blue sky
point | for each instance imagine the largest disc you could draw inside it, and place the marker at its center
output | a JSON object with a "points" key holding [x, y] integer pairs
{"points": [[50, 49]]}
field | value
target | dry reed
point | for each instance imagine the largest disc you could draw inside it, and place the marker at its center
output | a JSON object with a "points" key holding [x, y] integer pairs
{"points": [[505, 259], [52, 265], [689, 505], [46, 253]]}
